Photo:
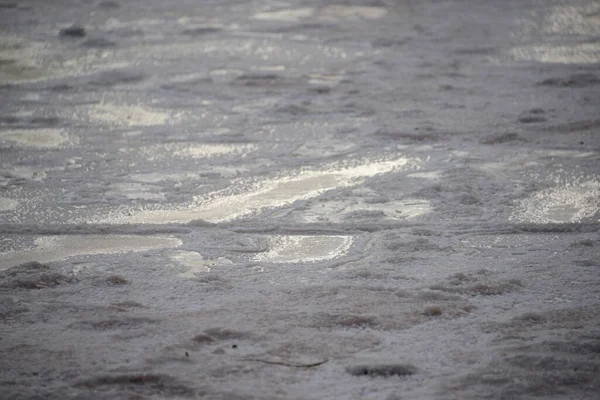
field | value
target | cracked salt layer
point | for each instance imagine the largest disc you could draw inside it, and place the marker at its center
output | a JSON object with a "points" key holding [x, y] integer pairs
{"points": [[584, 53], [296, 249], [53, 248], [269, 194], [568, 204], [338, 211], [196, 263], [38, 138]]}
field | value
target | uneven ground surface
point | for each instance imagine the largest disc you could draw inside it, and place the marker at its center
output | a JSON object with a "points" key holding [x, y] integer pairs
{"points": [[391, 199]]}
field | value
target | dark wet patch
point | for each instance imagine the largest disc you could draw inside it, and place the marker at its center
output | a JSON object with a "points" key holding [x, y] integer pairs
{"points": [[144, 384], [128, 304], [33, 275], [117, 77], [575, 81], [474, 51], [530, 317], [390, 42], [258, 79], [116, 280], [125, 306], [588, 263], [476, 284], [382, 370], [531, 119], [202, 339], [418, 244], [98, 43], [575, 126], [201, 31], [569, 368], [8, 6], [327, 320], [109, 5], [293, 109], [585, 243], [225, 334], [411, 137], [364, 214], [319, 89], [432, 311], [113, 324], [29, 122], [446, 88], [9, 309], [73, 31], [436, 296], [502, 138]]}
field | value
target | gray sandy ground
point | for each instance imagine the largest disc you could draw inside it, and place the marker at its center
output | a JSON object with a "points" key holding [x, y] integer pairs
{"points": [[390, 199]]}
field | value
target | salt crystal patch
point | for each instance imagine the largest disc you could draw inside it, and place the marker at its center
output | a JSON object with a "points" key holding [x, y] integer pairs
{"points": [[125, 115], [584, 53], [7, 204], [196, 263], [296, 249]]}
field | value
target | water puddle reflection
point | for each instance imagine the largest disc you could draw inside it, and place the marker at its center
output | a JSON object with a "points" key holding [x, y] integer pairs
{"points": [[54, 248], [267, 194], [569, 203], [296, 249]]}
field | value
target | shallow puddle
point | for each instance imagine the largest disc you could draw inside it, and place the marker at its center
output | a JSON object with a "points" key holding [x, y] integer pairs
{"points": [[339, 211], [37, 138], [343, 12], [267, 194], [124, 115], [54, 248], [296, 249], [567, 204]]}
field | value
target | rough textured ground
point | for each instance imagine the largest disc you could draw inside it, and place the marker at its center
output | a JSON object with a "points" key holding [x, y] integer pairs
{"points": [[390, 199]]}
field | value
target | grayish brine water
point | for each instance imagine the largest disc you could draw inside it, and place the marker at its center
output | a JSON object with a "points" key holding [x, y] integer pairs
{"points": [[391, 199]]}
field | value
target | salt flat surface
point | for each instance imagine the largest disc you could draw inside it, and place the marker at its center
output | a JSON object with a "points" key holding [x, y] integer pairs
{"points": [[299, 200]]}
